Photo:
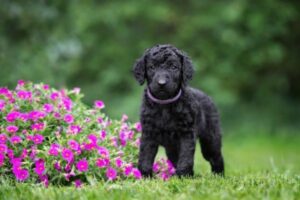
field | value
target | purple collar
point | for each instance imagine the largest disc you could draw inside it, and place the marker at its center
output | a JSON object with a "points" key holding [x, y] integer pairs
{"points": [[163, 101]]}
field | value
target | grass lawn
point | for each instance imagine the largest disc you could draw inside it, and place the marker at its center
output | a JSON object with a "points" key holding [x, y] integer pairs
{"points": [[265, 167]]}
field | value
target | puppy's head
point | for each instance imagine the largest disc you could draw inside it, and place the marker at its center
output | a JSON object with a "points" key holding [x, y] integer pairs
{"points": [[165, 68]]}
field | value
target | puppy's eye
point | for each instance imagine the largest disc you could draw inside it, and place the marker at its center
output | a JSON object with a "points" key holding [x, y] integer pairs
{"points": [[173, 67]]}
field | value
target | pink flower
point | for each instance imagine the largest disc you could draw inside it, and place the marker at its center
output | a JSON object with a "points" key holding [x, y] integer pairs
{"points": [[22, 94], [89, 146], [103, 152], [155, 167], [128, 170], [16, 139], [138, 126], [48, 108], [54, 96], [67, 154], [22, 174], [40, 167], [2, 104], [3, 138], [53, 151], [37, 126], [118, 162], [46, 87], [44, 179], [57, 166], [2, 158], [73, 144], [3, 148], [12, 116], [67, 103], [102, 135], [74, 129], [93, 138], [99, 104], [82, 165], [38, 139], [69, 118], [136, 173], [164, 176], [100, 120], [36, 115], [77, 183], [111, 174], [124, 118], [21, 83], [12, 129], [102, 162]]}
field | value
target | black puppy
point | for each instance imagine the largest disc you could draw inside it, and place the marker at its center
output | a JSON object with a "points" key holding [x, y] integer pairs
{"points": [[173, 114]]}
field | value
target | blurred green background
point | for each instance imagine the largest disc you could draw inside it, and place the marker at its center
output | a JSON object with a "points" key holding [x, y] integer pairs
{"points": [[246, 53]]}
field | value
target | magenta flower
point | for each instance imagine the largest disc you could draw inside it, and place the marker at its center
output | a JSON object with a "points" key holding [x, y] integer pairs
{"points": [[67, 154], [111, 174], [37, 126], [54, 96], [2, 104], [12, 129], [82, 165], [12, 116], [103, 152], [69, 118], [118, 162], [48, 108], [74, 129], [128, 170], [21, 174], [138, 126], [102, 135], [155, 167], [73, 144], [102, 162], [99, 104], [40, 167], [22, 94], [2, 158], [93, 138], [36, 115], [53, 151], [44, 179], [67, 103], [3, 148], [136, 173], [77, 183], [57, 166], [3, 138], [16, 139], [46, 87], [38, 139], [21, 83]]}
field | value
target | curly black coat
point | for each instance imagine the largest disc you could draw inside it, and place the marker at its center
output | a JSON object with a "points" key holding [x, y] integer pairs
{"points": [[178, 124]]}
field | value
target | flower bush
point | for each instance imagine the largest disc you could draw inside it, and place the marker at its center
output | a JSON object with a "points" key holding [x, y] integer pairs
{"points": [[50, 136]]}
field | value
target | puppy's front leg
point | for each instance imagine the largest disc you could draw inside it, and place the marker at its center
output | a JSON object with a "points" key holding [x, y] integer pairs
{"points": [[148, 150], [186, 156]]}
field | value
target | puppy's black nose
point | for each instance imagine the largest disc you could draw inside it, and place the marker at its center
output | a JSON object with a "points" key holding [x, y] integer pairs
{"points": [[162, 82]]}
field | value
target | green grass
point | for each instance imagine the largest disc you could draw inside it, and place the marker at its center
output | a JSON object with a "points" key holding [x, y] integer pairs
{"points": [[265, 167]]}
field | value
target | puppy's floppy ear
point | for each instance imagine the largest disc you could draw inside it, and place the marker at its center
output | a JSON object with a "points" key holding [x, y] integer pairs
{"points": [[187, 66], [188, 69], [139, 70]]}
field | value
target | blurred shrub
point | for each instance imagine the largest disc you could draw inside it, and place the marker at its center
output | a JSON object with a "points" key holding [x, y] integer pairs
{"points": [[244, 51]]}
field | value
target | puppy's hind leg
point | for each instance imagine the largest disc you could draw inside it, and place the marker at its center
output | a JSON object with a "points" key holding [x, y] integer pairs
{"points": [[211, 144]]}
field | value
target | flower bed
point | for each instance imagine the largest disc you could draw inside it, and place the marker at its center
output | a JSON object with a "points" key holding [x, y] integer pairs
{"points": [[50, 136]]}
